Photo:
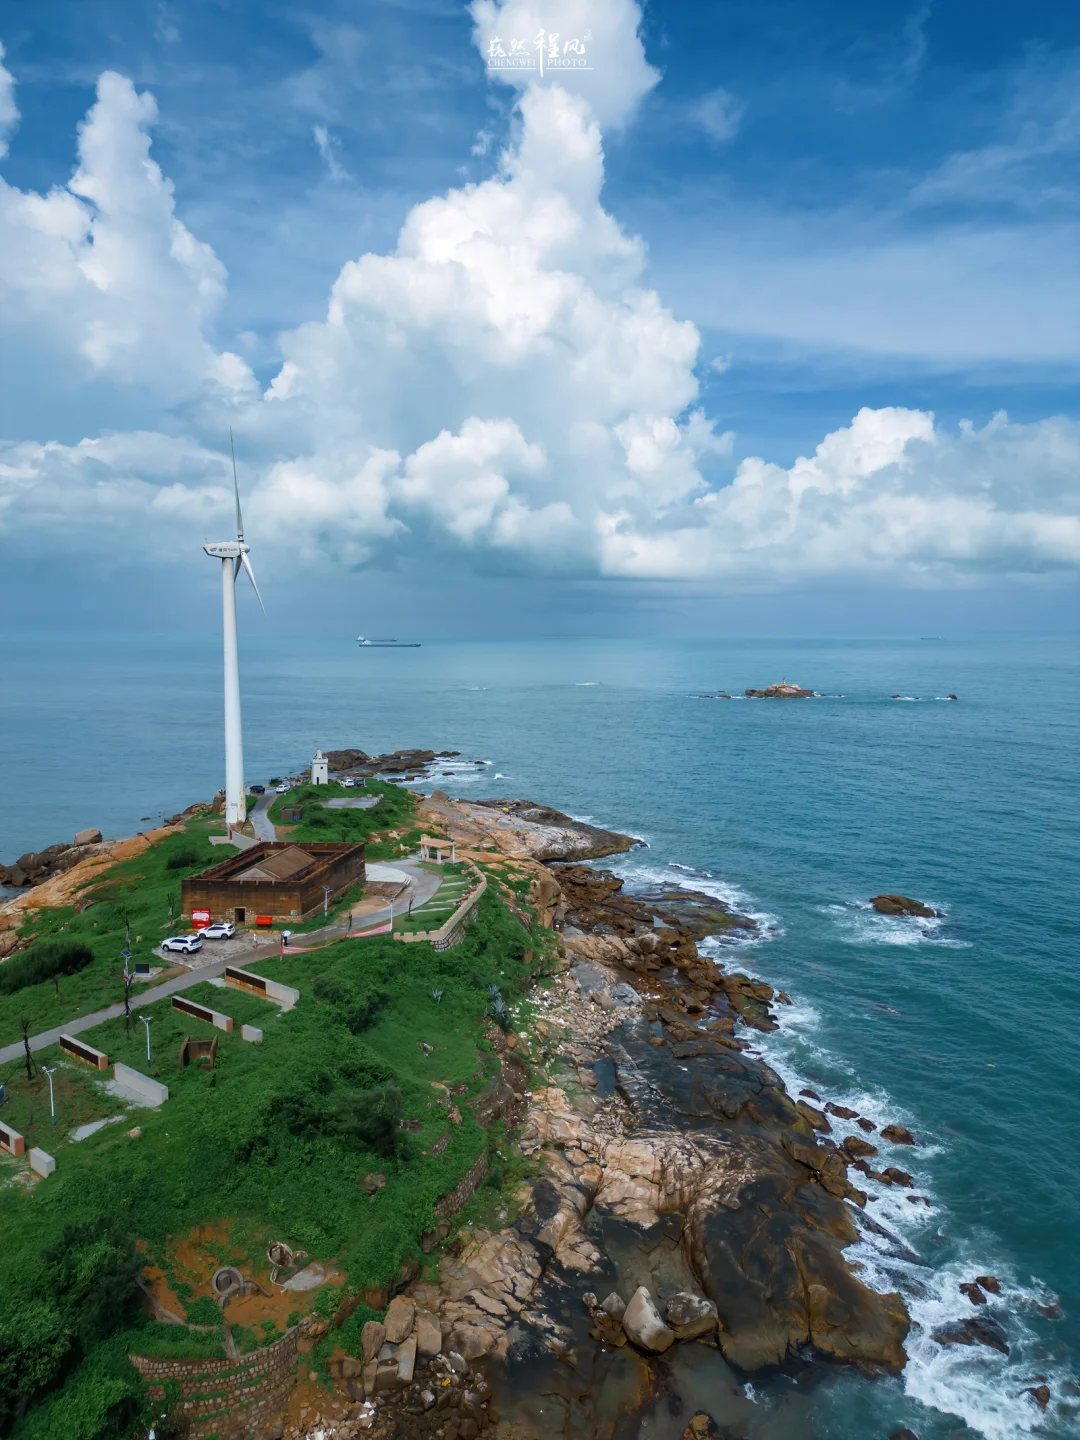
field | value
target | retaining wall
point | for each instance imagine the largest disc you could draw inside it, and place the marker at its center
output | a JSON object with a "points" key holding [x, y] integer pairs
{"points": [[229, 1398], [452, 929], [11, 1140], [202, 1012]]}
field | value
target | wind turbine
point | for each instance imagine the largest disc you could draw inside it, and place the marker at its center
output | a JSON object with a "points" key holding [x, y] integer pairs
{"points": [[233, 554]]}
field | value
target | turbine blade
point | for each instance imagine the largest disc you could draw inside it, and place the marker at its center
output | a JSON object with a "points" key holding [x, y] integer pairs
{"points": [[236, 568], [251, 577], [236, 489]]}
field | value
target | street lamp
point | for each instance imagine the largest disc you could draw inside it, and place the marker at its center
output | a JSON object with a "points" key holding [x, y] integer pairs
{"points": [[52, 1105], [146, 1021], [325, 899]]}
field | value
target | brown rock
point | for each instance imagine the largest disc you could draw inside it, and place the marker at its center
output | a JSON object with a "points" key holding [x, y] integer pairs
{"points": [[989, 1282], [897, 1135], [856, 1147], [406, 1360], [897, 1177], [974, 1294], [351, 1367], [372, 1338], [90, 836], [428, 1333], [400, 1314], [373, 1182], [904, 1434], [691, 1316], [842, 1112], [901, 905], [1040, 1394], [702, 1427], [811, 1095], [867, 1125], [816, 1118]]}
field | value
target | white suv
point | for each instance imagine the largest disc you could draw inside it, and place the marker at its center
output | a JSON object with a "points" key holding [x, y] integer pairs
{"points": [[185, 944], [220, 930], [348, 782]]}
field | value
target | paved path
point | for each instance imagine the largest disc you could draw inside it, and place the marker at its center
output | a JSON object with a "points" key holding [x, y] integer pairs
{"points": [[260, 819], [424, 886]]}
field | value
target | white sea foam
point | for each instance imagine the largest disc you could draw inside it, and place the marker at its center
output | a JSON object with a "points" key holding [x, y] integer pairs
{"points": [[585, 684], [860, 924], [638, 874], [974, 1382]]}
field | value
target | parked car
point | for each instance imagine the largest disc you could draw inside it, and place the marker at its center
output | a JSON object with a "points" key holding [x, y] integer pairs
{"points": [[258, 789], [185, 944], [283, 789], [220, 930], [348, 782]]}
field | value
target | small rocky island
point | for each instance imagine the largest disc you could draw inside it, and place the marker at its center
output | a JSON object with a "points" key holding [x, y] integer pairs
{"points": [[783, 690]]}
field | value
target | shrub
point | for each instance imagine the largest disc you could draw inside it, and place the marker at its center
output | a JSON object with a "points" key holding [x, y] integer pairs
{"points": [[183, 857], [203, 1311], [44, 961]]}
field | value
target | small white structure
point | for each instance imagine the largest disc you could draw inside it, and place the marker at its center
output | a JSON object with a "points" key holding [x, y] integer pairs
{"points": [[41, 1163], [320, 769]]}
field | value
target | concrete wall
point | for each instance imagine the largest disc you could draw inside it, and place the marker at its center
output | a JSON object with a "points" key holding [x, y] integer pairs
{"points": [[283, 995], [145, 1090], [249, 1032], [202, 1012], [41, 1163], [452, 929]]}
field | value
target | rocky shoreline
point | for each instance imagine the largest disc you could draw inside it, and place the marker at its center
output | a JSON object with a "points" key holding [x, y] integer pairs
{"points": [[688, 1222]]}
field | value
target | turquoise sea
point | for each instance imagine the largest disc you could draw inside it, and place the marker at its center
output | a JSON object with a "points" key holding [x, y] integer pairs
{"points": [[964, 1029]]}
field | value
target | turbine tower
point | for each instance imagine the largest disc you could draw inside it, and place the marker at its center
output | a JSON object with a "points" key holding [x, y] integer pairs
{"points": [[233, 554]]}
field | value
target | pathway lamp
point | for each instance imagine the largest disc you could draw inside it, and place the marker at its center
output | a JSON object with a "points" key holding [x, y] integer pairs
{"points": [[325, 899], [52, 1103], [146, 1021]]}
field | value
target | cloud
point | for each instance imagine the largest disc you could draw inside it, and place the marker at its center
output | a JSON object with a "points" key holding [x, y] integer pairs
{"points": [[719, 114], [500, 390], [619, 76], [100, 281], [9, 111], [329, 148]]}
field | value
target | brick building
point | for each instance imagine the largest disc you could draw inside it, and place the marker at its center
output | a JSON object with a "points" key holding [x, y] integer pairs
{"points": [[276, 878]]}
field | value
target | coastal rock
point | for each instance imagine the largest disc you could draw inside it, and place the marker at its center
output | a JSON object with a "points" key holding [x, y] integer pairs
{"points": [[973, 1293], [990, 1283], [399, 1318], [842, 1112], [897, 1177], [691, 1316], [1040, 1394], [897, 1135], [904, 1434], [857, 1148], [428, 1333], [702, 1427], [901, 905], [643, 1325], [90, 836], [782, 690], [979, 1330], [372, 1339], [816, 1118]]}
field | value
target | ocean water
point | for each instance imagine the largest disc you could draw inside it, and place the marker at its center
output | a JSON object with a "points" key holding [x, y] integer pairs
{"points": [[964, 1028]]}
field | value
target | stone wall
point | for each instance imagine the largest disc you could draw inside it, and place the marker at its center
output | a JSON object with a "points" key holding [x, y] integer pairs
{"points": [[230, 1398], [464, 1190]]}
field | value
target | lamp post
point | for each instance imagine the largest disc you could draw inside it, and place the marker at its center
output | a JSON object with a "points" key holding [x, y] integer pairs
{"points": [[146, 1021], [325, 899], [52, 1104]]}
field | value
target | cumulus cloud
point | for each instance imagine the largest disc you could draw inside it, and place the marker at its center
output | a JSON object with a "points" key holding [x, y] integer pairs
{"points": [[99, 280], [617, 76], [502, 386]]}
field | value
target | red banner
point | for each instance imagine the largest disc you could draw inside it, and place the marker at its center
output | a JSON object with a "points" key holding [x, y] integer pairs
{"points": [[264, 921], [200, 919]]}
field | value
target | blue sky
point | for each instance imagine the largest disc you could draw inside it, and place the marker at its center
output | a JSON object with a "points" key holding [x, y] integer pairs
{"points": [[858, 208]]}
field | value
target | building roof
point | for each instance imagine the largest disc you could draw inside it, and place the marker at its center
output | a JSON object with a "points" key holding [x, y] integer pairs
{"points": [[279, 866]]}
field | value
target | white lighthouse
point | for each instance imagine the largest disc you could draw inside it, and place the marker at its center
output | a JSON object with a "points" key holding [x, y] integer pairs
{"points": [[320, 769]]}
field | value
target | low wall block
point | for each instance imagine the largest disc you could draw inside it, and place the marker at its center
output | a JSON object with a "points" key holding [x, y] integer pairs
{"points": [[283, 995], [249, 1032], [11, 1140], [140, 1086], [79, 1050], [203, 1012], [41, 1163]]}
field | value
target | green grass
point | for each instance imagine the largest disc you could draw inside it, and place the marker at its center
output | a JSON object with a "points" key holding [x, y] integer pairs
{"points": [[439, 907], [279, 1136], [135, 891], [395, 810]]}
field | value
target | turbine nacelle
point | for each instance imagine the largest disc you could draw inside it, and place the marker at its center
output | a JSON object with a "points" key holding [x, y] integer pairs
{"points": [[227, 549]]}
